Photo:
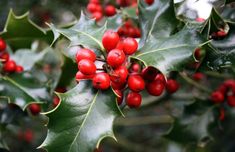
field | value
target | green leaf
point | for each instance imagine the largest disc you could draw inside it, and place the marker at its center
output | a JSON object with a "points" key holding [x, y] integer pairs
{"points": [[85, 32], [129, 12], [114, 22], [23, 89], [20, 31], [192, 126], [28, 58], [157, 20], [84, 117], [171, 53]]}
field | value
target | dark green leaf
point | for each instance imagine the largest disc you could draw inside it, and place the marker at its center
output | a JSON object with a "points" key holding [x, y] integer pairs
{"points": [[20, 31], [84, 117]]}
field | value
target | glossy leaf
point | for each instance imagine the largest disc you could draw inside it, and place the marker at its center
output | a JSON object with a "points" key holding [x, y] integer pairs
{"points": [[85, 32], [20, 31], [157, 20], [171, 53], [84, 117]]}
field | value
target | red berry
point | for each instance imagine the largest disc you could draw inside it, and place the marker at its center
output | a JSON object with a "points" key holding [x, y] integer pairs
{"points": [[110, 40], [120, 96], [136, 83], [229, 83], [19, 69], [197, 53], [133, 100], [160, 77], [155, 88], [85, 54], [149, 73], [110, 10], [94, 1], [130, 46], [35, 109], [217, 97], [119, 75], [87, 67], [97, 16], [61, 89], [200, 19], [28, 135], [2, 45], [81, 76], [149, 2], [9, 66], [222, 114], [221, 33], [231, 101], [137, 33], [56, 101], [120, 45], [222, 88], [91, 7], [118, 86], [101, 81], [172, 86], [131, 32], [116, 58], [5, 56], [198, 76], [135, 68]]}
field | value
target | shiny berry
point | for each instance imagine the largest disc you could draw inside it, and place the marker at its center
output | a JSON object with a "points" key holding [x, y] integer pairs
{"points": [[2, 45], [155, 88], [231, 101], [81, 76], [133, 100], [130, 46], [119, 75], [101, 81], [19, 69], [149, 2], [135, 68], [28, 135], [149, 73], [198, 76], [9, 66], [118, 86], [172, 86], [110, 10], [5, 57], [116, 58], [110, 40], [35, 109], [136, 83], [97, 16], [160, 77], [199, 19], [56, 101], [197, 53], [85, 54], [94, 1], [120, 45], [87, 67], [217, 97], [221, 33], [91, 7]]}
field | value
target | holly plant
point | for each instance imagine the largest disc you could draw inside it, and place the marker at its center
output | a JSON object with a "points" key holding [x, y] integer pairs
{"points": [[153, 72]]}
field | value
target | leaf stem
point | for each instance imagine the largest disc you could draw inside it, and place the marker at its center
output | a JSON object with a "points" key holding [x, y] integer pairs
{"points": [[100, 59]]}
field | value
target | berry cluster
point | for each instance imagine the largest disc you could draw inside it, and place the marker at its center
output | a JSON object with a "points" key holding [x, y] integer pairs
{"points": [[126, 3], [97, 11], [118, 73], [128, 29], [9, 65], [225, 91]]}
